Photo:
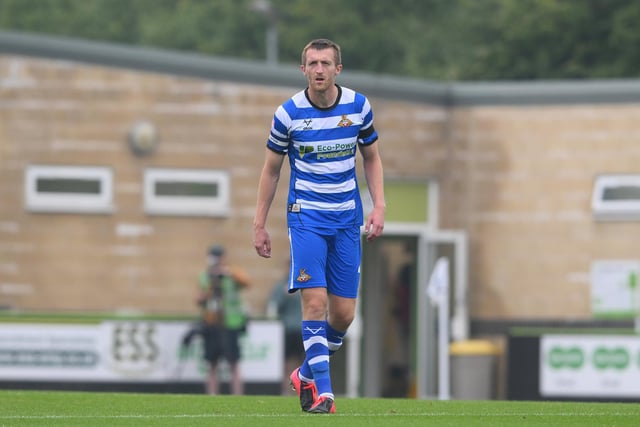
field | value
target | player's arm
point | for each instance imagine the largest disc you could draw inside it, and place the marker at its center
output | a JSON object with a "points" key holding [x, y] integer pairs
{"points": [[267, 187], [372, 164]]}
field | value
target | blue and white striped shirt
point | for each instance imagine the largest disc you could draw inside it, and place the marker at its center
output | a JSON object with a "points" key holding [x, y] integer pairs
{"points": [[321, 144]]}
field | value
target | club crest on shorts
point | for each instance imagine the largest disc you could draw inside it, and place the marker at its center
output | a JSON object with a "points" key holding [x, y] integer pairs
{"points": [[303, 277]]}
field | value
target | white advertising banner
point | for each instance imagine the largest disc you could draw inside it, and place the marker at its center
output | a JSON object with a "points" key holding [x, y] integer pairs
{"points": [[614, 288], [597, 366], [133, 351]]}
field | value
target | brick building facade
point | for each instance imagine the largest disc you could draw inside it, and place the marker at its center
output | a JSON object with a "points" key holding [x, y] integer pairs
{"points": [[515, 165]]}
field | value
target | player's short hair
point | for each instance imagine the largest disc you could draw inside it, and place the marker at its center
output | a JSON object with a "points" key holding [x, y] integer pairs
{"points": [[320, 44]]}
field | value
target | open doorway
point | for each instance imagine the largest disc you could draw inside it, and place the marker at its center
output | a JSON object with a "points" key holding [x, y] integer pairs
{"points": [[388, 313], [399, 327]]}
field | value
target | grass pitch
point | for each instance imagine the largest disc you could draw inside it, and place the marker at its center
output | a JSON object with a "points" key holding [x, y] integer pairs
{"points": [[55, 408]]}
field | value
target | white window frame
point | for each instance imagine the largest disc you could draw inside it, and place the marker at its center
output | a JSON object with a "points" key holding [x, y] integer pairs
{"points": [[615, 210], [60, 202], [155, 204]]}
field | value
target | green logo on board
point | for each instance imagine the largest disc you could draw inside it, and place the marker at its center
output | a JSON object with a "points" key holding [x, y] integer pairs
{"points": [[563, 357]]}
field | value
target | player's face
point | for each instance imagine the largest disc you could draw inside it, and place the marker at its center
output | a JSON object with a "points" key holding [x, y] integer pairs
{"points": [[320, 69]]}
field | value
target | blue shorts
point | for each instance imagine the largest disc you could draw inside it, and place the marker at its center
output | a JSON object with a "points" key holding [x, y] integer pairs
{"points": [[325, 257]]}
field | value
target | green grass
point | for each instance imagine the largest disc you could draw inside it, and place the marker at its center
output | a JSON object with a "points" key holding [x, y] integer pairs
{"points": [[40, 408]]}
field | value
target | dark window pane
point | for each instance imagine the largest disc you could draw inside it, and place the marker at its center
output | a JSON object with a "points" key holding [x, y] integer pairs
{"points": [[186, 189], [625, 192], [68, 185]]}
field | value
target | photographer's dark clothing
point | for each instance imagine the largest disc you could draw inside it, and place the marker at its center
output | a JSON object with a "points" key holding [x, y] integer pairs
{"points": [[220, 342]]}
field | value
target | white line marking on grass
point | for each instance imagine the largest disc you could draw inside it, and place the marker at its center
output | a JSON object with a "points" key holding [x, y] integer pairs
{"points": [[395, 414]]}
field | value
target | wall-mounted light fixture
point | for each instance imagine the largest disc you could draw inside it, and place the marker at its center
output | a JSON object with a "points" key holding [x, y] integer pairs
{"points": [[143, 138]]}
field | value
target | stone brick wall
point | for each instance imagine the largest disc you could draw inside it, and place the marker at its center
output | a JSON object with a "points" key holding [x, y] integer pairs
{"points": [[517, 179], [61, 113]]}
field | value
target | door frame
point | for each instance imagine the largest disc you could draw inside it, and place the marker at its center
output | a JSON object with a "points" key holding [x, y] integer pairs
{"points": [[427, 339], [426, 257]]}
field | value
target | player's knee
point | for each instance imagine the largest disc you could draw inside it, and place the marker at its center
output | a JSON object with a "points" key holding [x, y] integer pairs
{"points": [[315, 310], [342, 320]]}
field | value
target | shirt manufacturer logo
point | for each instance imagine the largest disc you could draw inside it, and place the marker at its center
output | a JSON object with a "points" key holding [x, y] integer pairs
{"points": [[307, 124]]}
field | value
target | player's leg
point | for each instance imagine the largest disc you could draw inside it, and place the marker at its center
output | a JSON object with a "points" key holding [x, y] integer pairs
{"points": [[341, 314], [308, 261], [343, 276], [314, 337], [343, 280]]}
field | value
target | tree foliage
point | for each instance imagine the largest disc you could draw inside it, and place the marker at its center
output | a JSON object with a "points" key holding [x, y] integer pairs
{"points": [[426, 39]]}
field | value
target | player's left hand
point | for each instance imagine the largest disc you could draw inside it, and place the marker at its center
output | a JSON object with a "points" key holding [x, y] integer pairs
{"points": [[374, 225]]}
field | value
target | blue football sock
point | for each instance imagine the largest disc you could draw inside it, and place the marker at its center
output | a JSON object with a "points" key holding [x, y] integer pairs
{"points": [[314, 337], [334, 339]]}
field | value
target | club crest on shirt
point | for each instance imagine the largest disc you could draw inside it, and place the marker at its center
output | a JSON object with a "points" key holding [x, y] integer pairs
{"points": [[303, 277], [345, 122]]}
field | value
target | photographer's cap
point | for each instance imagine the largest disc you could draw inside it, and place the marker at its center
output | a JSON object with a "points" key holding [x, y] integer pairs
{"points": [[216, 250]]}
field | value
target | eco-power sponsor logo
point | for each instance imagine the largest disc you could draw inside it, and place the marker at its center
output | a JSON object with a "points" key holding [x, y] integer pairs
{"points": [[337, 150], [336, 147], [329, 151], [305, 149]]}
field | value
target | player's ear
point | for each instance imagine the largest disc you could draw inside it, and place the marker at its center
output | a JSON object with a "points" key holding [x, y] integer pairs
{"points": [[302, 68], [338, 68]]}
